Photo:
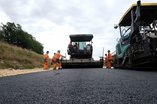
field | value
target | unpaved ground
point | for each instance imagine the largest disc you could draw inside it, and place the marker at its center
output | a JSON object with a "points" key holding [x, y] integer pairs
{"points": [[11, 72]]}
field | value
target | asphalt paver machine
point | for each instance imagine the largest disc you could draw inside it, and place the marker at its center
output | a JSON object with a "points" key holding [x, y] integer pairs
{"points": [[137, 46], [80, 50]]}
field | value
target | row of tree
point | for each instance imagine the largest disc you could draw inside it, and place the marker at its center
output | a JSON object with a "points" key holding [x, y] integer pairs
{"points": [[13, 34]]}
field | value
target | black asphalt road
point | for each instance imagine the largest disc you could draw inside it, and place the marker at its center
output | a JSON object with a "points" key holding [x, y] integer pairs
{"points": [[80, 86]]}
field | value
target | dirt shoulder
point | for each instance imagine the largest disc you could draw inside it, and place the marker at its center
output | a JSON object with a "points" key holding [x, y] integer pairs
{"points": [[12, 72]]}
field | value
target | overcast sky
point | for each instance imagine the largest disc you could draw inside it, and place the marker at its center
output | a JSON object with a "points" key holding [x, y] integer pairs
{"points": [[51, 21]]}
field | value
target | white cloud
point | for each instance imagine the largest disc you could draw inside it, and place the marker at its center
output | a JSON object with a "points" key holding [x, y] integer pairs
{"points": [[51, 21], [3, 17]]}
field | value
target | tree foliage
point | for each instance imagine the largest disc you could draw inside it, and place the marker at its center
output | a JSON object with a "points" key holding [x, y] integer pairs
{"points": [[13, 34]]}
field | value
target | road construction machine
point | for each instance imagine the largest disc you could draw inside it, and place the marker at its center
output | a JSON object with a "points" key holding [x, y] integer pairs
{"points": [[80, 50], [137, 46]]}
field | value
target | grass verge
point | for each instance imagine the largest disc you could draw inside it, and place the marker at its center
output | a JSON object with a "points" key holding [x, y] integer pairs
{"points": [[18, 58]]}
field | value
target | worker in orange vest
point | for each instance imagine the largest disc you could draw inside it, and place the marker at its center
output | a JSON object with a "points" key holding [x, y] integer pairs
{"points": [[106, 59], [46, 57], [59, 56], [54, 62], [109, 62]]}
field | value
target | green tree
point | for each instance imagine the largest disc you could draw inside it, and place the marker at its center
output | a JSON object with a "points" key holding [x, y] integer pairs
{"points": [[14, 34]]}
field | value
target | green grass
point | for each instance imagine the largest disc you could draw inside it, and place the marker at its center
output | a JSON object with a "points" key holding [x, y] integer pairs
{"points": [[15, 57]]}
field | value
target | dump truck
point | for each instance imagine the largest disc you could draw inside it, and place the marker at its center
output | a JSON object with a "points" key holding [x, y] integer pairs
{"points": [[80, 50], [137, 46]]}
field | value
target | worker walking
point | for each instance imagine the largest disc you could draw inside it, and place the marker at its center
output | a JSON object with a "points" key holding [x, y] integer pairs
{"points": [[109, 60], [54, 61], [58, 56], [46, 57]]}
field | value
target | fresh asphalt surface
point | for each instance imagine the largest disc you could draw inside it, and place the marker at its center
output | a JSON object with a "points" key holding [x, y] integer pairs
{"points": [[80, 86]]}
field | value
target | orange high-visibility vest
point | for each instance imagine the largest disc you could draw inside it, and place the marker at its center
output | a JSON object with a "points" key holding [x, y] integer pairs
{"points": [[46, 56], [109, 57], [54, 58], [58, 55]]}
